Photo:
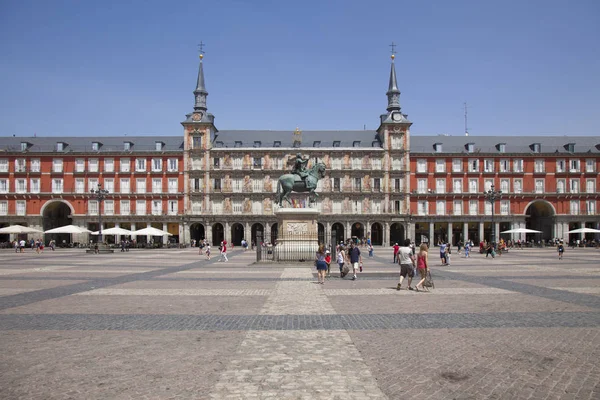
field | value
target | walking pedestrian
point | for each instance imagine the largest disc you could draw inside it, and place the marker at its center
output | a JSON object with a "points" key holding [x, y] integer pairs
{"points": [[207, 251], [443, 253], [223, 249], [341, 256], [561, 249], [328, 262], [321, 264], [467, 248], [396, 247], [422, 266], [407, 264], [355, 258]]}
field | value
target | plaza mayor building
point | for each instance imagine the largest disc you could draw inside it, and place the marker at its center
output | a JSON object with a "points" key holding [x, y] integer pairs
{"points": [[381, 184]]}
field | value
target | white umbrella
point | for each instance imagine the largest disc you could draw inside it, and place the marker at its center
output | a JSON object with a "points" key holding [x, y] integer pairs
{"points": [[68, 229], [18, 229], [521, 230], [585, 230], [113, 231], [150, 231]]}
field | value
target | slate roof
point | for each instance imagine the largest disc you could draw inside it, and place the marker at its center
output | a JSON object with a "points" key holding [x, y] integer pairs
{"points": [[361, 139], [84, 144]]}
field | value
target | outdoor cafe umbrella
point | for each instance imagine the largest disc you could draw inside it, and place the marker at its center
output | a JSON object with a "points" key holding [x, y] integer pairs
{"points": [[585, 230], [18, 229], [521, 230], [113, 231], [150, 231], [68, 229]]}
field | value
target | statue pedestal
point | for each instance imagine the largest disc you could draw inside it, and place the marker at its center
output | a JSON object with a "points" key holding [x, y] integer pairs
{"points": [[297, 236]]}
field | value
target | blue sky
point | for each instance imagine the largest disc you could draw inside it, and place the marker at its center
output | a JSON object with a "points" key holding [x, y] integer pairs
{"points": [[103, 68]]}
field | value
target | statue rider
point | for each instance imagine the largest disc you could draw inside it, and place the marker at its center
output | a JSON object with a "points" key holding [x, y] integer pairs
{"points": [[300, 166]]}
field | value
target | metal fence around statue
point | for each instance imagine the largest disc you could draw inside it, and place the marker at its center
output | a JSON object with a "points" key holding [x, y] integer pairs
{"points": [[286, 248]]}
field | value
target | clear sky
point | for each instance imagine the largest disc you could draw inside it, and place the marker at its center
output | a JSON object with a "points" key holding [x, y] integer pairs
{"points": [[99, 68]]}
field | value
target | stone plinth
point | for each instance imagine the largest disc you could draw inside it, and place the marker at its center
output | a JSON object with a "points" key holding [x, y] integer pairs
{"points": [[102, 248], [297, 236]]}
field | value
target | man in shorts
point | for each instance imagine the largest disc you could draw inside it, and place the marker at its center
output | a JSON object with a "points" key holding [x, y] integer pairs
{"points": [[355, 258], [407, 264]]}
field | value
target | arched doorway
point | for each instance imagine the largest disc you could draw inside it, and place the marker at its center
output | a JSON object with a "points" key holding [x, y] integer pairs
{"points": [[540, 216], [337, 232], [274, 233], [237, 234], [217, 234], [358, 231], [376, 234], [5, 237], [396, 233], [54, 215], [257, 230], [197, 233], [321, 233]]}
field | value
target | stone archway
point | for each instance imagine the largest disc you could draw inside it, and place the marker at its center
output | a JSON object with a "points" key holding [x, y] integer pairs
{"points": [[218, 234], [376, 234], [320, 232], [337, 232], [197, 232], [396, 233], [541, 217], [257, 230], [357, 231], [54, 215], [274, 233], [237, 234]]}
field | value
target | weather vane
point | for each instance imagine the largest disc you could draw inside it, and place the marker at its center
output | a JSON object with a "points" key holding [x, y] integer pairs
{"points": [[393, 46], [201, 49]]}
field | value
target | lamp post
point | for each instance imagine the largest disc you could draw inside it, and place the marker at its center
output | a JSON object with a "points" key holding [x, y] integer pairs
{"points": [[491, 196], [99, 194]]}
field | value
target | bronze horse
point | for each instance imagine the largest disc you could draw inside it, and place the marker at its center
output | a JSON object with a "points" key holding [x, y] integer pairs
{"points": [[289, 183]]}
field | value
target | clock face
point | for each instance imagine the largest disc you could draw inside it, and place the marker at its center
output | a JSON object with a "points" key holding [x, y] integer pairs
{"points": [[197, 116], [396, 116]]}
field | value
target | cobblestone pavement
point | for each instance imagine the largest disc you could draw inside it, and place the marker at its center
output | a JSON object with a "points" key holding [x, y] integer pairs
{"points": [[170, 324]]}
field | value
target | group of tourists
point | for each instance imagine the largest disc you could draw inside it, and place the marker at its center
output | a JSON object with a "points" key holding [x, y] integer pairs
{"points": [[345, 255], [34, 244]]}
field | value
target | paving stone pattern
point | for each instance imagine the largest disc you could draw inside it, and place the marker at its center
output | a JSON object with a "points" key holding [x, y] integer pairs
{"points": [[170, 324]]}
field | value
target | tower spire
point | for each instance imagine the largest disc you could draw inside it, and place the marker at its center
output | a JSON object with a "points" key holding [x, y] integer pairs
{"points": [[200, 92], [393, 93]]}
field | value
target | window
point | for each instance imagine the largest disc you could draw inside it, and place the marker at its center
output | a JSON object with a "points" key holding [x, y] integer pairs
{"points": [[197, 142], [473, 186], [140, 165], [473, 165], [336, 184], [125, 207], [457, 165], [488, 165], [376, 163], [34, 184], [356, 163], [20, 165], [537, 148], [20, 186], [21, 207], [590, 207], [93, 184], [93, 165], [336, 143], [140, 207], [109, 207], [172, 207], [396, 164], [437, 147], [440, 185], [457, 185], [504, 165], [79, 185], [4, 207], [357, 184], [35, 165], [487, 184], [196, 207], [560, 166], [518, 165], [440, 207], [216, 162], [24, 146], [570, 147], [538, 166], [504, 207], [109, 165], [518, 185], [590, 165], [590, 186], [421, 185], [57, 185], [93, 207], [356, 143], [277, 143], [257, 143], [237, 144], [172, 165], [140, 185], [157, 185], [125, 165], [57, 165], [397, 185], [157, 207], [574, 165], [217, 184], [458, 207], [237, 185], [574, 207], [377, 184], [421, 165], [79, 165], [487, 208], [257, 185], [126, 147], [422, 207], [156, 164], [158, 146], [502, 147], [539, 186], [125, 186], [196, 184], [440, 165], [470, 147], [505, 185], [4, 165], [95, 146], [473, 207], [257, 162], [4, 186], [560, 186], [574, 185], [172, 185], [109, 184]]}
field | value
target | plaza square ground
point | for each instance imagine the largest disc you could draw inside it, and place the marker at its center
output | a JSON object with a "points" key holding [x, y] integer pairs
{"points": [[154, 324]]}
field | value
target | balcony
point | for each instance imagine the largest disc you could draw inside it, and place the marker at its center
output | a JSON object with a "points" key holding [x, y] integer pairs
{"points": [[20, 170], [79, 171], [421, 171], [539, 171]]}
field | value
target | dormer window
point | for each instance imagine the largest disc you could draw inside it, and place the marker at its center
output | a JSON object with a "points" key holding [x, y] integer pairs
{"points": [[570, 147], [297, 144], [277, 143], [257, 143], [502, 147], [437, 147], [317, 143], [470, 147], [536, 147], [95, 146], [24, 146], [356, 143], [336, 143], [375, 143], [60, 146], [237, 143], [127, 146], [219, 144], [158, 146]]}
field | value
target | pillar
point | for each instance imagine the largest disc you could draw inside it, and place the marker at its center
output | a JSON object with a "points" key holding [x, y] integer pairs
{"points": [[450, 236], [118, 242], [481, 231], [165, 238], [412, 232], [133, 228], [227, 233], [248, 233], [497, 231], [208, 233], [431, 234], [386, 234], [348, 230], [465, 232]]}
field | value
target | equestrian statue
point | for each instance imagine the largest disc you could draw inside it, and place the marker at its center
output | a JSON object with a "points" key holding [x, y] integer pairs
{"points": [[300, 180]]}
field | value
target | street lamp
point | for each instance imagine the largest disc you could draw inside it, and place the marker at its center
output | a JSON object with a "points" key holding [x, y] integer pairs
{"points": [[100, 195], [491, 196]]}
